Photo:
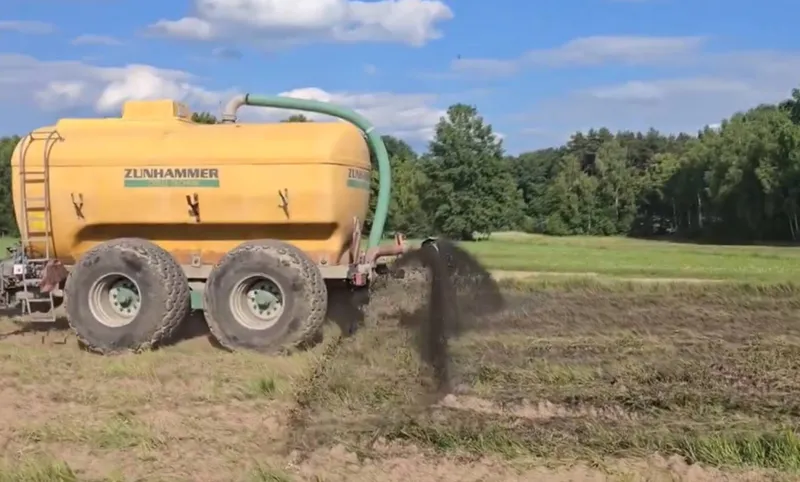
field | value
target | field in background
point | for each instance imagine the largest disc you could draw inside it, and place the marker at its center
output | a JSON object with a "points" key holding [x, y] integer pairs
{"points": [[515, 254], [578, 380], [625, 257], [6, 242]]}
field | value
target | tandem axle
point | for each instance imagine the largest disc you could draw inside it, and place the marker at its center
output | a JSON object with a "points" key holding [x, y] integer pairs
{"points": [[130, 294]]}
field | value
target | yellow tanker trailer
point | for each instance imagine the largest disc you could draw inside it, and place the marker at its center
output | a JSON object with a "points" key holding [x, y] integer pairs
{"points": [[134, 221]]}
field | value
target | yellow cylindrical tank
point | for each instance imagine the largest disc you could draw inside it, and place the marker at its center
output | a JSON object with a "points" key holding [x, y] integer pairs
{"points": [[196, 190]]}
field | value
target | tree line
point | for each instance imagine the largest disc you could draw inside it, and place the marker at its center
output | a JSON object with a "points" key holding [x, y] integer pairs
{"points": [[738, 182]]}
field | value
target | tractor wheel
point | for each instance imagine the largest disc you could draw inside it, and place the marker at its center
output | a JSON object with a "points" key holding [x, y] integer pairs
{"points": [[126, 294], [265, 296]]}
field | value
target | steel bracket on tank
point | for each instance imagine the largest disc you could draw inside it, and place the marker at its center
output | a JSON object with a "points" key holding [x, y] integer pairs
{"points": [[284, 205], [77, 203], [194, 206]]}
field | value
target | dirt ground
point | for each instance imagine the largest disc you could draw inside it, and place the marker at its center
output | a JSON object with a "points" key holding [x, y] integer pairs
{"points": [[683, 382]]}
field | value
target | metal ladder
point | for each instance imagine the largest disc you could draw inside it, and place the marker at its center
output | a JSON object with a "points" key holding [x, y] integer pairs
{"points": [[28, 235]]}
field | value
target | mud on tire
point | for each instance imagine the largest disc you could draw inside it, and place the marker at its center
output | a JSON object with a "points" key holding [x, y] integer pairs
{"points": [[283, 277], [126, 268]]}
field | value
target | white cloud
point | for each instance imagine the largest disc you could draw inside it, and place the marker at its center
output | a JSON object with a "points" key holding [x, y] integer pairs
{"points": [[588, 51], [411, 116], [58, 85], [141, 82], [186, 28], [279, 23], [61, 86], [61, 93], [660, 90], [89, 39], [27, 27], [622, 49], [728, 83]]}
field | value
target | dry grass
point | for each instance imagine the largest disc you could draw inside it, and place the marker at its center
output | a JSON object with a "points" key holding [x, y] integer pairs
{"points": [[576, 381]]}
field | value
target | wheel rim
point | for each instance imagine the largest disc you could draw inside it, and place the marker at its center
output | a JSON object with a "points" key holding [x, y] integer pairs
{"points": [[115, 300], [257, 302]]}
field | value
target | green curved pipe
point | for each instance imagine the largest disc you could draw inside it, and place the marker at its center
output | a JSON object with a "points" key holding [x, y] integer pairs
{"points": [[374, 141]]}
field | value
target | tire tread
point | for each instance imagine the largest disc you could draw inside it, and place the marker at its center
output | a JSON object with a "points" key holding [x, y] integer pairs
{"points": [[175, 286], [293, 260]]}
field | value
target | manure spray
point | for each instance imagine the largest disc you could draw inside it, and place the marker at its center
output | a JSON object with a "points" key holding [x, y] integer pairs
{"points": [[436, 293], [461, 294]]}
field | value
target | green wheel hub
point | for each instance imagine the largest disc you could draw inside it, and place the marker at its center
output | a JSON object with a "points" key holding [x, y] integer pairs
{"points": [[115, 300], [257, 302]]}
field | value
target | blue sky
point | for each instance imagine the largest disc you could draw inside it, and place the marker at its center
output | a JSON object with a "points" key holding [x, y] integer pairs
{"points": [[537, 70]]}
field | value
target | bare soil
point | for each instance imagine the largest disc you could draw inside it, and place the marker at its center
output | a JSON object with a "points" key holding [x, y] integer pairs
{"points": [[686, 382]]}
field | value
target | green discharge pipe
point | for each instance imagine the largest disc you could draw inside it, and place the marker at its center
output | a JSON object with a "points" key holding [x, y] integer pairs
{"points": [[374, 141]]}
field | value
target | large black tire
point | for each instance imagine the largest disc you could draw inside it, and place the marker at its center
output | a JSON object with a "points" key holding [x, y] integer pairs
{"points": [[164, 299], [302, 295]]}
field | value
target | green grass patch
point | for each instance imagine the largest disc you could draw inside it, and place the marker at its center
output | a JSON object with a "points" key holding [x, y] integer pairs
{"points": [[5, 243], [628, 257], [760, 447], [269, 474], [36, 470], [637, 258]]}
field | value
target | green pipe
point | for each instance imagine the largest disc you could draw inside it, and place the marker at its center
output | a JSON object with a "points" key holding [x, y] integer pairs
{"points": [[374, 141]]}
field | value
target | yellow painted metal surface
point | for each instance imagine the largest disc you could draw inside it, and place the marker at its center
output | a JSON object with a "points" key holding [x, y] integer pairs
{"points": [[130, 177]]}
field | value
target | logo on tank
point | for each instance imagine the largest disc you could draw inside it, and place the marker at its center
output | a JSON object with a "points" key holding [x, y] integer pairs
{"points": [[358, 178], [171, 177]]}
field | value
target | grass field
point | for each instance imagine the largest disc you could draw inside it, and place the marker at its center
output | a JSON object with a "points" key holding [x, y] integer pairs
{"points": [[577, 380], [624, 257]]}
